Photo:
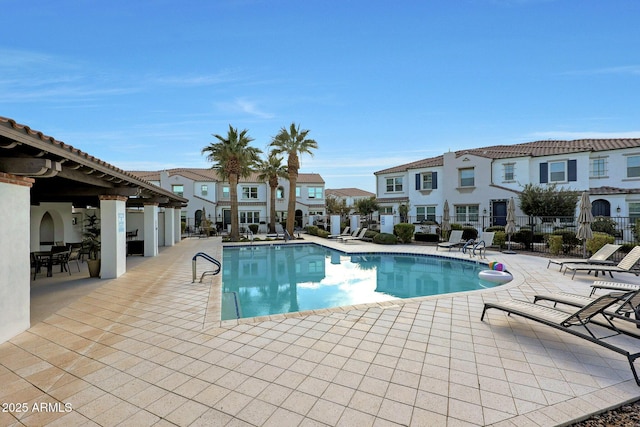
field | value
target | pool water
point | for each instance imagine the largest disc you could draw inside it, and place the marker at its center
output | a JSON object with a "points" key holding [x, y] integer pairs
{"points": [[264, 280]]}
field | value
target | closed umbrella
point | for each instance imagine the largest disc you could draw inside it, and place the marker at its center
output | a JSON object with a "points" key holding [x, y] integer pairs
{"points": [[445, 218], [585, 218], [511, 223]]}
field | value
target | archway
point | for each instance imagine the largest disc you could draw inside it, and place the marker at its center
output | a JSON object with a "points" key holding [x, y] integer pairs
{"points": [[298, 218], [47, 230], [601, 207]]}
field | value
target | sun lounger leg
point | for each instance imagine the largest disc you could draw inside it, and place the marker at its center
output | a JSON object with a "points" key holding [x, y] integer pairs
{"points": [[632, 358]]}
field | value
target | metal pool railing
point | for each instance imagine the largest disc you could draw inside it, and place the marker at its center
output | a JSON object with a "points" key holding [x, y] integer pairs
{"points": [[209, 258]]}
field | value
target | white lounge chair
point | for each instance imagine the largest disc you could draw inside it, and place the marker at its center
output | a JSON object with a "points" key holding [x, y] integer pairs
{"points": [[624, 266], [601, 256], [455, 239], [360, 236], [345, 232]]}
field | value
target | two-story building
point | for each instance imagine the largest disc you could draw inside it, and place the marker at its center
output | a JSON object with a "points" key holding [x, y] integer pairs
{"points": [[209, 195], [477, 183]]}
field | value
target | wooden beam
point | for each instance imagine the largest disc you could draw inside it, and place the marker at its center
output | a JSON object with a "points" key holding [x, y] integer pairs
{"points": [[32, 167]]}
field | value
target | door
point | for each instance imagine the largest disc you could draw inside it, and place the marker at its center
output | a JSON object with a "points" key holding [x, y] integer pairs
{"points": [[499, 213], [226, 218], [601, 207]]}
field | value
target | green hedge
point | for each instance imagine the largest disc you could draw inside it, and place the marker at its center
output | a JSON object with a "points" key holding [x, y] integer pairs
{"points": [[385, 239], [404, 232], [426, 237]]}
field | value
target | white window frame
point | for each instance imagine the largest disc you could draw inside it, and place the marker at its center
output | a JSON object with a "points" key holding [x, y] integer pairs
{"points": [[394, 184], [466, 181], [634, 210], [226, 192], [204, 190], [175, 187], [314, 192], [563, 165], [249, 192], [467, 213], [601, 170], [509, 172], [633, 166], [427, 181], [425, 213], [249, 217]]}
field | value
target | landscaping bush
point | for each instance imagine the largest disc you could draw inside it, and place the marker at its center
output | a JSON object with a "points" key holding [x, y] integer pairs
{"points": [[604, 225], [385, 239], [253, 228], [523, 236], [313, 230], [427, 237], [469, 233], [404, 232], [568, 237], [370, 235], [495, 228], [598, 240], [555, 244], [323, 233], [499, 239]]}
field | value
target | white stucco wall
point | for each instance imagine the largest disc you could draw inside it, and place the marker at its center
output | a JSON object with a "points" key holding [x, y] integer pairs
{"points": [[14, 260]]}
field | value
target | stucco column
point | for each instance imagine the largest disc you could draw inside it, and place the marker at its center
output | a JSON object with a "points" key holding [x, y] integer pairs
{"points": [[177, 228], [15, 297], [169, 223], [113, 243], [151, 229]]}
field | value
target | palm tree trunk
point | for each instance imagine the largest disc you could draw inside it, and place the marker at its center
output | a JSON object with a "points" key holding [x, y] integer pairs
{"points": [[272, 209], [291, 209], [233, 194]]}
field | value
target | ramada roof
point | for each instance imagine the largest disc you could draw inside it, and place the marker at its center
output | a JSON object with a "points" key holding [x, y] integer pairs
{"points": [[530, 149]]}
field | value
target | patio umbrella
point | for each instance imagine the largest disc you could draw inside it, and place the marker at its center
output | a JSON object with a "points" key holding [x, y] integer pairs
{"points": [[511, 223], [585, 218], [445, 218]]}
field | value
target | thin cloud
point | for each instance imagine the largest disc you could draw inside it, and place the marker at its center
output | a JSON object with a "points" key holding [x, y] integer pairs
{"points": [[244, 106], [584, 135], [633, 70]]}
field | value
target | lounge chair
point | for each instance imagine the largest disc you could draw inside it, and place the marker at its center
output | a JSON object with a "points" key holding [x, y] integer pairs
{"points": [[631, 304], [601, 256], [624, 266], [345, 232], [571, 321], [360, 236], [485, 240], [613, 286], [455, 239]]}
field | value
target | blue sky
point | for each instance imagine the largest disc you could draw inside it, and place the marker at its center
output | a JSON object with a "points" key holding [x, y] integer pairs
{"points": [[144, 84]]}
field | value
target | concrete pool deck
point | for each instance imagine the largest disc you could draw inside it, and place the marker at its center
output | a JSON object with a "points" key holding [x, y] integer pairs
{"points": [[148, 349]]}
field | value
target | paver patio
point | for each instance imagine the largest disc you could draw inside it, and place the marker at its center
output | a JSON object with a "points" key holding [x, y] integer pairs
{"points": [[148, 349]]}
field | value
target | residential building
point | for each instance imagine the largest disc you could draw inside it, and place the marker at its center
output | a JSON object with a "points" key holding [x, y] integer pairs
{"points": [[477, 183], [209, 194], [349, 195]]}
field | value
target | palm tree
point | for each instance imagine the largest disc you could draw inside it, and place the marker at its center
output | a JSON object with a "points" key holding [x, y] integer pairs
{"points": [[293, 142], [233, 158], [270, 170]]}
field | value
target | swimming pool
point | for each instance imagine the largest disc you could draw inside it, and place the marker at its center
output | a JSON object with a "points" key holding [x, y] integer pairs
{"points": [[274, 279]]}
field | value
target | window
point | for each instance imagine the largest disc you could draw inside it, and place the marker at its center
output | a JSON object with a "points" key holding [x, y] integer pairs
{"points": [[633, 166], [386, 210], [280, 193], [204, 190], [427, 181], [315, 192], [634, 210], [178, 189], [598, 168], [467, 177], [467, 213], [509, 171], [297, 191], [557, 171], [249, 217], [249, 192], [225, 192], [394, 184], [425, 213]]}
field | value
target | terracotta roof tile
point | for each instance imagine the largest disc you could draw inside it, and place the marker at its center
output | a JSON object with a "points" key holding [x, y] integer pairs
{"points": [[533, 149], [348, 192]]}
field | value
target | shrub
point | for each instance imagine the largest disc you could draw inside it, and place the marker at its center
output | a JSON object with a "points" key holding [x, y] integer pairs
{"points": [[598, 240], [500, 238], [568, 237], [370, 234], [385, 239], [469, 233], [604, 225], [495, 228], [427, 237], [404, 232], [523, 236], [323, 233], [313, 230], [555, 244], [253, 228]]}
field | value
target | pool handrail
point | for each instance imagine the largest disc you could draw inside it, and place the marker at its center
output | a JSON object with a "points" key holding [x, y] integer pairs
{"points": [[209, 258]]}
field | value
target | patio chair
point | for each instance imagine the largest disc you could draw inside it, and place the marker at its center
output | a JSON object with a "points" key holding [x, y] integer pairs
{"points": [[613, 286], [360, 236], [485, 240], [624, 266], [75, 254], [345, 232], [455, 239], [572, 321], [60, 256], [630, 304], [601, 256]]}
